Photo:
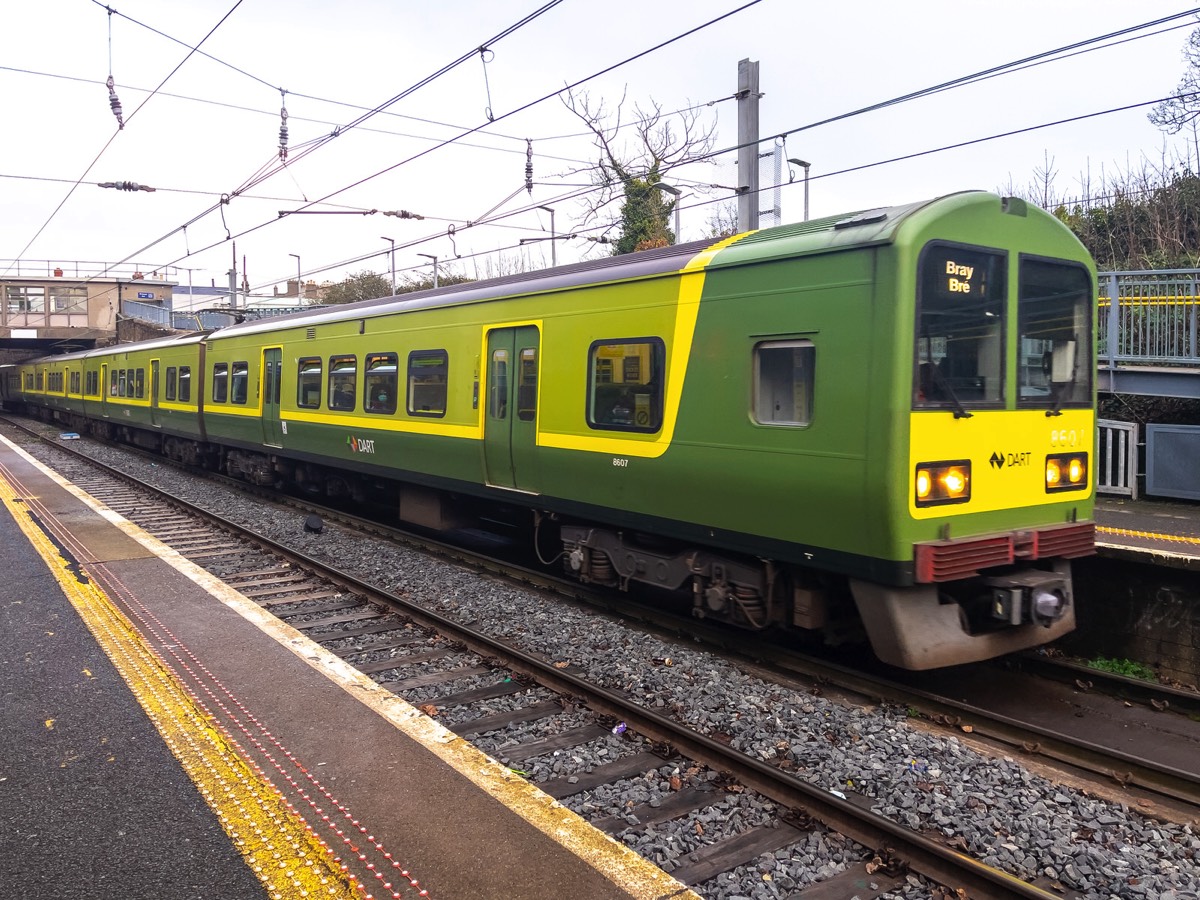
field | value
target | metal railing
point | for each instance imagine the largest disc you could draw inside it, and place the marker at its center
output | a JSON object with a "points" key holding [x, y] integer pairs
{"points": [[1154, 321], [1117, 460]]}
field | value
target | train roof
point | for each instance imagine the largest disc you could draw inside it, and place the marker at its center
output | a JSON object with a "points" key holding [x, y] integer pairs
{"points": [[859, 228]]}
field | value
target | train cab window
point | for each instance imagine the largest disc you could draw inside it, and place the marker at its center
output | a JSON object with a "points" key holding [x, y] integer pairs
{"points": [[959, 355], [379, 392], [185, 384], [343, 382], [139, 383], [625, 385], [308, 382], [239, 383], [783, 382], [220, 388], [1054, 309], [169, 383], [428, 374]]}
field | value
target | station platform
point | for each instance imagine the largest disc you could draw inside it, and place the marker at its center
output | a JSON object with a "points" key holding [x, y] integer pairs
{"points": [[1155, 532], [165, 737]]}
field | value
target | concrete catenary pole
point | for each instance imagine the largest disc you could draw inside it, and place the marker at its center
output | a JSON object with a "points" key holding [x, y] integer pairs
{"points": [[747, 97]]}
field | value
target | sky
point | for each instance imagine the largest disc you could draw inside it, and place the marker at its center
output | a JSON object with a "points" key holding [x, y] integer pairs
{"points": [[202, 127]]}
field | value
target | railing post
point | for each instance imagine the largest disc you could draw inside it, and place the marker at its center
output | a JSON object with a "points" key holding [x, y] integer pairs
{"points": [[1114, 319]]}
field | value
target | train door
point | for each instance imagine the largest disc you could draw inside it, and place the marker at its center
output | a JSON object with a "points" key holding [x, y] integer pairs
{"points": [[104, 390], [272, 370], [510, 413], [153, 388]]}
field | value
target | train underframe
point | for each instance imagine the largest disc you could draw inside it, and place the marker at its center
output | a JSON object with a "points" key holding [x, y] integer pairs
{"points": [[923, 626]]}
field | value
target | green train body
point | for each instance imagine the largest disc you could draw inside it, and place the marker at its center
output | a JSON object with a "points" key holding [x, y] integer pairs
{"points": [[885, 418]]}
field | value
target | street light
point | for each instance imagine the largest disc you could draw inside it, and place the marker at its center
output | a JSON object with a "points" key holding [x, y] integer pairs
{"points": [[435, 272], [393, 256], [553, 250], [674, 192], [299, 288], [801, 162]]}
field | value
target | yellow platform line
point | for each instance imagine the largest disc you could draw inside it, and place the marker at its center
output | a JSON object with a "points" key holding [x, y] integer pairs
{"points": [[1149, 535], [288, 860]]}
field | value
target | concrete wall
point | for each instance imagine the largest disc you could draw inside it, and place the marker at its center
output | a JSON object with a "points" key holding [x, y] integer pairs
{"points": [[1142, 613]]}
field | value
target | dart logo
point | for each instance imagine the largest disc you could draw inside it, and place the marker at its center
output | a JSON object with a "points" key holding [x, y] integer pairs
{"points": [[999, 460], [360, 445]]}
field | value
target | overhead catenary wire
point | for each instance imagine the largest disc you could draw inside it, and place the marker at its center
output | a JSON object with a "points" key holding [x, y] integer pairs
{"points": [[943, 87], [112, 137]]}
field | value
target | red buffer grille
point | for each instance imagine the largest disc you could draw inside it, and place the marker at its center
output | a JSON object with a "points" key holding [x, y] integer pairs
{"points": [[1067, 541], [951, 560]]}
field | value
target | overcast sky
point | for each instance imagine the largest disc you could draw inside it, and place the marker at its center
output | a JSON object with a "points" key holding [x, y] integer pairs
{"points": [[212, 129]]}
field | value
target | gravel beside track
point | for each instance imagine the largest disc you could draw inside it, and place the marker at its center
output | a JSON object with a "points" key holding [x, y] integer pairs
{"points": [[993, 808]]}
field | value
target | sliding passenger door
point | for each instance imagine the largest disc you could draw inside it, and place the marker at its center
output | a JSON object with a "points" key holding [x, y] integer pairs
{"points": [[510, 408], [272, 372]]}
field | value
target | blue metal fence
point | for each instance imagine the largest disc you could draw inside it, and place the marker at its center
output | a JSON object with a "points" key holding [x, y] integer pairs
{"points": [[1154, 321]]}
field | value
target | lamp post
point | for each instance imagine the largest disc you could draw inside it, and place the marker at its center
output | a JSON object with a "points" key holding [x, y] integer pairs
{"points": [[801, 162], [299, 283], [553, 247], [674, 192], [392, 254], [435, 272]]}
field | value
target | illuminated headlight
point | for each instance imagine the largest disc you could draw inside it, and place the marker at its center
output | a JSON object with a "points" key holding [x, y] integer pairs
{"points": [[943, 482], [1066, 472]]}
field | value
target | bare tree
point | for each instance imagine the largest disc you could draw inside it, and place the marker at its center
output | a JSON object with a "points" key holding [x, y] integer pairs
{"points": [[1184, 107], [632, 158]]}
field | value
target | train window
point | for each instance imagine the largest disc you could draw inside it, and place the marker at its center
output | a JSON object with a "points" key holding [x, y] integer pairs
{"points": [[783, 382], [308, 382], [185, 384], [1054, 310], [498, 385], [379, 392], [41, 379], [139, 383], [428, 374], [169, 384], [122, 383], [92, 387], [239, 383], [220, 389], [343, 381], [75, 380], [527, 385], [112, 383], [959, 356], [625, 384]]}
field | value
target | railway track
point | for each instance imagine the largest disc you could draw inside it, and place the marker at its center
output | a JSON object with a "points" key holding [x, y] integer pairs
{"points": [[549, 707]]}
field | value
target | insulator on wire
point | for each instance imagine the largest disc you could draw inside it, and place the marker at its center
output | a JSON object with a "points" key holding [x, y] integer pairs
{"points": [[283, 129], [402, 214], [529, 166], [126, 186], [115, 103]]}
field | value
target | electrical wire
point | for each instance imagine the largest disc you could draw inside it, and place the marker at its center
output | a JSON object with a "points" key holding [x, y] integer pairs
{"points": [[112, 137]]}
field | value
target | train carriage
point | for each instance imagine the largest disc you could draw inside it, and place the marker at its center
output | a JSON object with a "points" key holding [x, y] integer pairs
{"points": [[885, 418]]}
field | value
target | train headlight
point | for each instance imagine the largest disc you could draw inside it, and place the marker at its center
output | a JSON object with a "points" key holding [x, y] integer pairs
{"points": [[942, 482], [1066, 472]]}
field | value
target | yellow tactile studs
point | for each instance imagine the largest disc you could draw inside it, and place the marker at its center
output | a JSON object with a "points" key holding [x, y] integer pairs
{"points": [[283, 853]]}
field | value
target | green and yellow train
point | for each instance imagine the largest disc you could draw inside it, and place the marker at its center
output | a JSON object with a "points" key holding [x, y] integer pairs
{"points": [[883, 421]]}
